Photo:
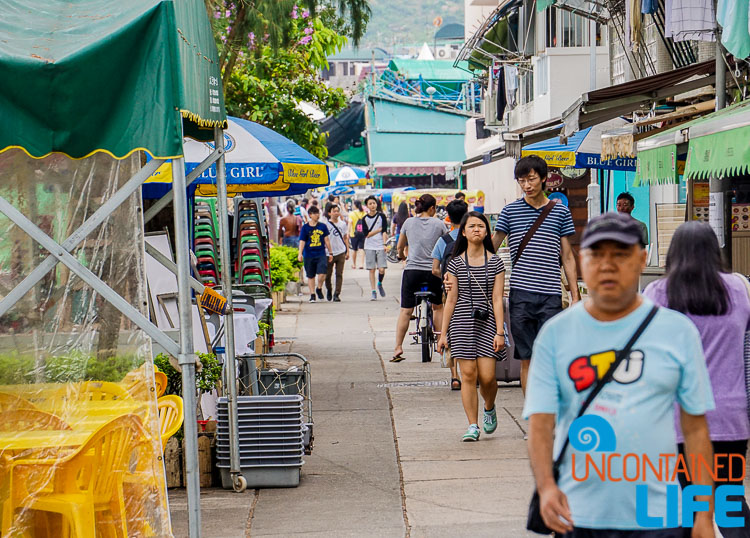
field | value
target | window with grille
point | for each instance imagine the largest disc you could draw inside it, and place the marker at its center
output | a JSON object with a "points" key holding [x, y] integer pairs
{"points": [[566, 29]]}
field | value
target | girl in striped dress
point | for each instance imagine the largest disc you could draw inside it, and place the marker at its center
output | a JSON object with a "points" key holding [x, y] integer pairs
{"points": [[473, 314]]}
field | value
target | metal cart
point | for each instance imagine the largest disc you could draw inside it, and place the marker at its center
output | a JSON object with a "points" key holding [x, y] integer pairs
{"points": [[280, 374]]}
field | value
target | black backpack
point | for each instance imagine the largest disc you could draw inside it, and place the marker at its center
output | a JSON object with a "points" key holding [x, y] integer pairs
{"points": [[447, 253]]}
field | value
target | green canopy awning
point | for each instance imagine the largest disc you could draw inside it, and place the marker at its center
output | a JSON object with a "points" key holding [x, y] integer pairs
{"points": [[720, 143], [656, 166], [82, 77]]}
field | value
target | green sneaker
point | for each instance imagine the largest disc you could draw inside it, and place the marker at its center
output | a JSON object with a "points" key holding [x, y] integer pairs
{"points": [[490, 420], [472, 434]]}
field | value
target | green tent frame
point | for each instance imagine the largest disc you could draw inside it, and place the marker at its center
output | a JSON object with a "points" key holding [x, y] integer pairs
{"points": [[153, 67]]}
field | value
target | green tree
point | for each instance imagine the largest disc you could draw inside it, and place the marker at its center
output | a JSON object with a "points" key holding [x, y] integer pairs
{"points": [[273, 20], [267, 82]]}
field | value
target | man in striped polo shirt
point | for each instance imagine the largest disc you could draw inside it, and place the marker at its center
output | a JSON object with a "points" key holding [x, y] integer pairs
{"points": [[535, 292]]}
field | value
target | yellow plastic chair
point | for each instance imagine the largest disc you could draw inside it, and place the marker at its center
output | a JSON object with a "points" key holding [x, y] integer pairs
{"points": [[79, 485], [18, 420], [11, 401], [171, 415], [160, 381], [101, 391]]}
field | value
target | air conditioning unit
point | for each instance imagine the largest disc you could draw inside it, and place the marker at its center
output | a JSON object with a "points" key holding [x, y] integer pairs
{"points": [[445, 52]]}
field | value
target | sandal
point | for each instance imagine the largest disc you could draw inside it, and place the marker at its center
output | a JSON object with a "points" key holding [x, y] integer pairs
{"points": [[455, 384], [398, 358]]}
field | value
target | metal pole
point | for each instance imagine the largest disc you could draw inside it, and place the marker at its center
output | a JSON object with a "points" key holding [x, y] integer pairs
{"points": [[230, 369], [592, 53], [721, 72], [186, 357], [719, 197]]}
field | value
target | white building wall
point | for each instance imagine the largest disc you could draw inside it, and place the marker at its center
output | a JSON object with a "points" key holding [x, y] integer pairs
{"points": [[494, 179], [475, 12]]}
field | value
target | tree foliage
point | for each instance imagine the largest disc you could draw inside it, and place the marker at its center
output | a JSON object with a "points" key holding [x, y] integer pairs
{"points": [[265, 80]]}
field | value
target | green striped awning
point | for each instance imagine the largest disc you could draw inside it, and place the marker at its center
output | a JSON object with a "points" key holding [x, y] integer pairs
{"points": [[656, 166], [721, 154]]}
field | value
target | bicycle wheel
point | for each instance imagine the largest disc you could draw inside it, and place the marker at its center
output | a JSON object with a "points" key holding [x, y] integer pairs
{"points": [[426, 337]]}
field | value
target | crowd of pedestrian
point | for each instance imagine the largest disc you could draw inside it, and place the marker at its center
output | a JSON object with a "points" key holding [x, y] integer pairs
{"points": [[660, 371]]}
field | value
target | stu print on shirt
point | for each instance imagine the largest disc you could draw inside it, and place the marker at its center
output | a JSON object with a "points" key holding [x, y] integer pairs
{"points": [[584, 371], [315, 236]]}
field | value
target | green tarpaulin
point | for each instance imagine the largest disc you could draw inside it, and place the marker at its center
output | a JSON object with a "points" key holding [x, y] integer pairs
{"points": [[80, 77]]}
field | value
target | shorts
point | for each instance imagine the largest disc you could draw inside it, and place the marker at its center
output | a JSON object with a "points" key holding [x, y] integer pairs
{"points": [[528, 312], [291, 241], [375, 259], [414, 280], [357, 241], [616, 533], [315, 266]]}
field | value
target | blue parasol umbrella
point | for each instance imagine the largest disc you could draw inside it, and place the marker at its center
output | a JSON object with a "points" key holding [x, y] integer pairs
{"points": [[259, 162]]}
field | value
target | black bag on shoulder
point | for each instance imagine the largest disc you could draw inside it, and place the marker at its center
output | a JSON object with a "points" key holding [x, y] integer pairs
{"points": [[534, 521]]}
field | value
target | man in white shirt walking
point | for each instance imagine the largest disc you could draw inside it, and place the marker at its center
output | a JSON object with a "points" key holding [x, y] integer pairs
{"points": [[375, 229], [337, 233]]}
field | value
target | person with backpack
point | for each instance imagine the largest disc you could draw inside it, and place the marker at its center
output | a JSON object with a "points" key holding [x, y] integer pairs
{"points": [[375, 230], [441, 255], [420, 234], [356, 233]]}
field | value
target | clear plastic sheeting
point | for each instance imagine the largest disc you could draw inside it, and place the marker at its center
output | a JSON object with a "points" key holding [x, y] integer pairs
{"points": [[80, 447]]}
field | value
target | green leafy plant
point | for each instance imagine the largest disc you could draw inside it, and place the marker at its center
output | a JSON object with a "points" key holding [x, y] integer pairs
{"points": [[262, 328], [293, 255], [205, 381], [282, 270]]}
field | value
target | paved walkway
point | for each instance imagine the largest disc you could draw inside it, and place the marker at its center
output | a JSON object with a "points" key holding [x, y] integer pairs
{"points": [[388, 460]]}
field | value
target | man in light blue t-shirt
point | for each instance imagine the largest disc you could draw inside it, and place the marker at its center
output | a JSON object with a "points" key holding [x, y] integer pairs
{"points": [[666, 365]]}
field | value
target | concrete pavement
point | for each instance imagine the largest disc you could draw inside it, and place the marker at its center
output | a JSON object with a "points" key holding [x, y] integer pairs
{"points": [[388, 460]]}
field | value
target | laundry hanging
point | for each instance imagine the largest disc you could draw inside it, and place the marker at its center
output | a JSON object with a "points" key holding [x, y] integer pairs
{"points": [[502, 100], [732, 15], [511, 85], [690, 20]]}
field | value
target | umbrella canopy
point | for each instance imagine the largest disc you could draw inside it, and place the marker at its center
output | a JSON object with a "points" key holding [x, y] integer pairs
{"points": [[348, 175], [116, 77], [583, 149], [259, 162]]}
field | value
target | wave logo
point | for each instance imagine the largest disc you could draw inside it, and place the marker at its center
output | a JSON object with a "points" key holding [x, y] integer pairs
{"points": [[595, 437], [592, 433], [229, 143]]}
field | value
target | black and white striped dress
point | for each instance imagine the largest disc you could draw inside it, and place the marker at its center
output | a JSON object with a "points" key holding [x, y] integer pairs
{"points": [[469, 338]]}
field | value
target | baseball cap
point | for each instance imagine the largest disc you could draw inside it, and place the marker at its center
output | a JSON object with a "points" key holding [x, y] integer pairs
{"points": [[612, 226]]}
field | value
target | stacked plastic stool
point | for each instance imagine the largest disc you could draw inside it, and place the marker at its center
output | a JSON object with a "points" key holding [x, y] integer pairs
{"points": [[252, 263], [205, 241]]}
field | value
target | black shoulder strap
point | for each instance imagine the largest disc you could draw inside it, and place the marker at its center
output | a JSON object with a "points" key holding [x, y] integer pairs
{"points": [[534, 227], [336, 230], [621, 355]]}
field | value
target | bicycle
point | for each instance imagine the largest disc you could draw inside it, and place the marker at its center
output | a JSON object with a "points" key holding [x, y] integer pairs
{"points": [[425, 333], [391, 250]]}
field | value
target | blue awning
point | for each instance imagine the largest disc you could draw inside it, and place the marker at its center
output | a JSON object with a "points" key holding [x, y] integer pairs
{"points": [[583, 150]]}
